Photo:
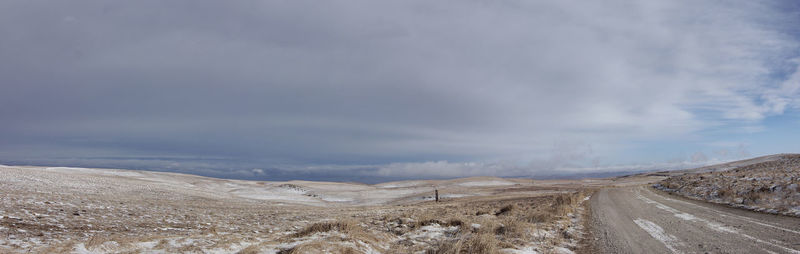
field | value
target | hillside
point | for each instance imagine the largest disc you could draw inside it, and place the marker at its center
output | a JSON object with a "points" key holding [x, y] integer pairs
{"points": [[81, 210], [769, 184]]}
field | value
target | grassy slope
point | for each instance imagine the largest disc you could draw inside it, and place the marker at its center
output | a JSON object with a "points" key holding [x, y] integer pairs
{"points": [[771, 186]]}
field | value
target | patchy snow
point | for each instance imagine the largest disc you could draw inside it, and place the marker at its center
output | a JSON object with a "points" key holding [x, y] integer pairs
{"points": [[122, 173], [432, 231], [147, 245], [475, 226], [768, 185], [446, 196], [685, 216], [274, 195], [712, 225], [562, 250], [788, 250], [404, 184], [336, 198], [157, 212], [670, 241], [526, 250], [81, 249], [455, 195], [725, 214], [542, 234], [719, 227], [486, 183]]}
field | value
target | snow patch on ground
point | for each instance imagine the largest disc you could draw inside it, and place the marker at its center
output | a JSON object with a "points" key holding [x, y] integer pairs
{"points": [[526, 250], [147, 245], [486, 183], [336, 199], [685, 216], [432, 231], [670, 241], [562, 250], [81, 249], [724, 214], [446, 196], [405, 184]]}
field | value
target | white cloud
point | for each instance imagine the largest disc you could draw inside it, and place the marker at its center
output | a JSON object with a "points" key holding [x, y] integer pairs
{"points": [[787, 95], [444, 169], [699, 157]]}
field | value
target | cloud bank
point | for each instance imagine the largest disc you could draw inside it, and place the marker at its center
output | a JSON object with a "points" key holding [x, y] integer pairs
{"points": [[404, 87]]}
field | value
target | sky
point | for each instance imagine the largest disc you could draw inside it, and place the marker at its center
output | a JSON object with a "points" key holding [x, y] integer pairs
{"points": [[370, 91]]}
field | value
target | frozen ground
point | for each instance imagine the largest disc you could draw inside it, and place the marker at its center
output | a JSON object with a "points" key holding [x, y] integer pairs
{"points": [[79, 210]]}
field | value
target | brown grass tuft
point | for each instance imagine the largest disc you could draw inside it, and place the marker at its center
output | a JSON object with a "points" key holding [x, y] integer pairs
{"points": [[482, 243], [473, 243], [504, 210], [512, 227], [344, 226], [455, 222], [252, 249], [319, 247], [539, 216]]}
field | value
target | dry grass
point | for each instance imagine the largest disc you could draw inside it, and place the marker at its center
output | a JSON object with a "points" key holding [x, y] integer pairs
{"points": [[157, 220], [350, 237], [472, 243], [485, 226], [505, 210], [507, 222], [343, 226], [540, 216], [252, 249], [319, 247], [513, 227], [771, 186]]}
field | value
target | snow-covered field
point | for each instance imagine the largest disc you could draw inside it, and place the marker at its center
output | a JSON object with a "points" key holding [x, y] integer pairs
{"points": [[80, 210]]}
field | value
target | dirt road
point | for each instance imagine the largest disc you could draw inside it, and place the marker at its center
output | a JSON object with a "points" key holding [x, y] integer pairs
{"points": [[642, 220]]}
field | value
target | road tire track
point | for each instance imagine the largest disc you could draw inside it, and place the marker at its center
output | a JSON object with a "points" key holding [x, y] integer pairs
{"points": [[638, 220]]}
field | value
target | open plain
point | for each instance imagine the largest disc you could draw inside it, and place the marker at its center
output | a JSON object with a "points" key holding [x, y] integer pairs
{"points": [[82, 210], [79, 210]]}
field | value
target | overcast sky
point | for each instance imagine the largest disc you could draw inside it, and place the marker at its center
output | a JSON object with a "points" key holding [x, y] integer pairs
{"points": [[376, 90]]}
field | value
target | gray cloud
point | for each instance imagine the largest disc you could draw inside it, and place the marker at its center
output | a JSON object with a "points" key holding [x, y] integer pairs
{"points": [[387, 84]]}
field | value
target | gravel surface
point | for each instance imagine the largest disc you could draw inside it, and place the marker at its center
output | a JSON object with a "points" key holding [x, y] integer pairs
{"points": [[643, 220]]}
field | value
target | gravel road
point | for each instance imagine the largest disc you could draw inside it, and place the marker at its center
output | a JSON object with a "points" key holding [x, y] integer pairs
{"points": [[643, 220]]}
